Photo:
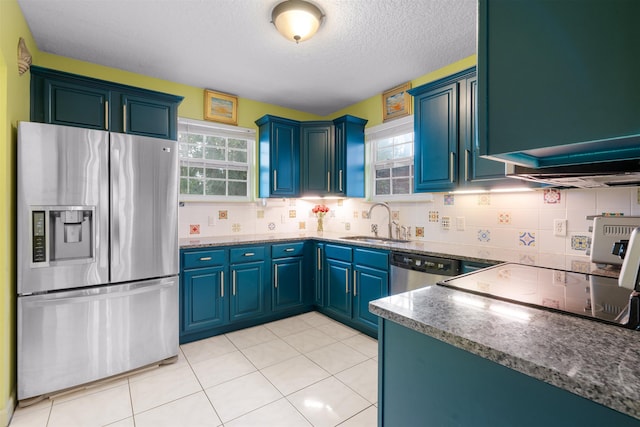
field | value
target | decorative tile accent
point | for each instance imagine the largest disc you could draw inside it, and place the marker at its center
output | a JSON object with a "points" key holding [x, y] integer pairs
{"points": [[484, 236], [580, 266], [272, 226], [292, 213], [235, 228], [340, 202], [395, 215], [365, 214], [612, 213], [194, 229], [434, 216], [332, 214], [355, 215], [419, 231], [302, 225], [449, 200], [551, 196], [484, 199], [260, 214], [504, 218], [374, 228], [347, 226], [445, 222], [527, 238], [223, 215], [579, 243]]}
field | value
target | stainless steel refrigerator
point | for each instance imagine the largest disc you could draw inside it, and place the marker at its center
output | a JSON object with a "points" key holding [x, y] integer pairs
{"points": [[97, 255]]}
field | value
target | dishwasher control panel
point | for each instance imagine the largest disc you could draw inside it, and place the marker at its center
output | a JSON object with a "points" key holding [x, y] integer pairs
{"points": [[426, 264]]}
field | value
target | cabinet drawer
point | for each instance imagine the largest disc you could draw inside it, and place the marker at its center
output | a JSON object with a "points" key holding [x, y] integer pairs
{"points": [[287, 250], [371, 258], [342, 253], [247, 254], [204, 258]]}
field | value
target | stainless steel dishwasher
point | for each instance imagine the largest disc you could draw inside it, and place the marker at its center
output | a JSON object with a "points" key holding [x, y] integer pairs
{"points": [[414, 271]]}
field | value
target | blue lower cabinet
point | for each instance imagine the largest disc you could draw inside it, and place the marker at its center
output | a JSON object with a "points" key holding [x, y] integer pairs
{"points": [[368, 284], [203, 299], [338, 287], [248, 283], [353, 277], [288, 279]]}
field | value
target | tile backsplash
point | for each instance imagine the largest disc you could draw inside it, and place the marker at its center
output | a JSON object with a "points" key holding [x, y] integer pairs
{"points": [[520, 221]]}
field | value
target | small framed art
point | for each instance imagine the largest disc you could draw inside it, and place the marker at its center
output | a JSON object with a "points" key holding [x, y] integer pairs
{"points": [[220, 107], [396, 102]]}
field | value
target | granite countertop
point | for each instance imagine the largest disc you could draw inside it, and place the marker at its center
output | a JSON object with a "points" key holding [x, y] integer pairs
{"points": [[464, 252], [591, 359]]}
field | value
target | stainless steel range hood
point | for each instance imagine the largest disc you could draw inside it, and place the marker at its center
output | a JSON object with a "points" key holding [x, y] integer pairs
{"points": [[593, 175]]}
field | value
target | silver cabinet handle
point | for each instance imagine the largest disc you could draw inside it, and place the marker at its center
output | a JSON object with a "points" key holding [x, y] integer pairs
{"points": [[346, 281], [340, 179], [249, 254], [275, 271], [106, 115], [275, 180], [466, 165], [222, 284], [328, 182], [205, 258], [355, 291], [233, 280], [451, 165], [124, 118], [319, 260], [289, 250]]}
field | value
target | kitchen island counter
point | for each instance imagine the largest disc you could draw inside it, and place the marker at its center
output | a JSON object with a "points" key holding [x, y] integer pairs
{"points": [[596, 361]]}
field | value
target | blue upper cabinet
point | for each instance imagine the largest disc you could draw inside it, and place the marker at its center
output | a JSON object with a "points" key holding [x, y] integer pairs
{"points": [[446, 154], [279, 153], [73, 100], [348, 176], [317, 158], [558, 81]]}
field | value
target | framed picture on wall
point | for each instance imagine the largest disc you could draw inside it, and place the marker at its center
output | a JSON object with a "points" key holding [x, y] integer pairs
{"points": [[220, 107], [396, 102]]}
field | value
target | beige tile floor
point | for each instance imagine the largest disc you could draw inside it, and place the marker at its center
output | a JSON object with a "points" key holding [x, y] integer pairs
{"points": [[307, 370]]}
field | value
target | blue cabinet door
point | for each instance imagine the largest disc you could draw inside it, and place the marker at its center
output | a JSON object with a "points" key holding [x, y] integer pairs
{"points": [[348, 177], [149, 117], [72, 104], [557, 83], [279, 152], [317, 158], [338, 287], [436, 139], [288, 280], [203, 304], [369, 284], [248, 283]]}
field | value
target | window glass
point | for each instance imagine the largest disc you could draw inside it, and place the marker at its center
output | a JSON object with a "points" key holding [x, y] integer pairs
{"points": [[393, 164]]}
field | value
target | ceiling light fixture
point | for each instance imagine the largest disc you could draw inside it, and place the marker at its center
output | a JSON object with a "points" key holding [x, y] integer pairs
{"points": [[296, 20]]}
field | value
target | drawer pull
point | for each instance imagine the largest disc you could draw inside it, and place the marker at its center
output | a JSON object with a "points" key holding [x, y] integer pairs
{"points": [[249, 254], [205, 258], [289, 250]]}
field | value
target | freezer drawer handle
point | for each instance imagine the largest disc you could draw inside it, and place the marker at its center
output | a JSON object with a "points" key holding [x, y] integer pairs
{"points": [[205, 258]]}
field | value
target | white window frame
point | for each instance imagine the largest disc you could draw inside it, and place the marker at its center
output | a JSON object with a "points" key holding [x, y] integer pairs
{"points": [[227, 131], [396, 127]]}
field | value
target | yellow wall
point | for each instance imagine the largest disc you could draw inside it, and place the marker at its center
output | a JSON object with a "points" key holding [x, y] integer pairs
{"points": [[14, 107]]}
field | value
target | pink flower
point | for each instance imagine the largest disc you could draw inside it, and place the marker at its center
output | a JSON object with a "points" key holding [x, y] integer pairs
{"points": [[320, 209]]}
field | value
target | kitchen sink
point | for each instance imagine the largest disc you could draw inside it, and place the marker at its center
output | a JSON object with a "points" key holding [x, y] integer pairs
{"points": [[371, 239]]}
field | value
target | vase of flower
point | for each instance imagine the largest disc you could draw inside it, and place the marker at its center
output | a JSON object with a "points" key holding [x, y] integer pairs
{"points": [[320, 211]]}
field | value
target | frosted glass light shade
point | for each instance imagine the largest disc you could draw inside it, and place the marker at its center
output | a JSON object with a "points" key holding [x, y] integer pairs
{"points": [[296, 20]]}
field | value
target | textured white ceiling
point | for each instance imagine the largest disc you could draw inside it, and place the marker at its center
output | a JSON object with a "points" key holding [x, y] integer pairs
{"points": [[363, 47]]}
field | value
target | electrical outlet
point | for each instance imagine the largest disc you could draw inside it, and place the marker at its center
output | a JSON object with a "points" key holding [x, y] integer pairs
{"points": [[460, 223], [211, 221], [560, 227]]}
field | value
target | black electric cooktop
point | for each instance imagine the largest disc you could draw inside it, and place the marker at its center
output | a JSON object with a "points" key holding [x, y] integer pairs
{"points": [[585, 295]]}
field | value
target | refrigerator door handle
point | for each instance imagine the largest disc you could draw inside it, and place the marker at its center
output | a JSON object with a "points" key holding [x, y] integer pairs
{"points": [[115, 207]]}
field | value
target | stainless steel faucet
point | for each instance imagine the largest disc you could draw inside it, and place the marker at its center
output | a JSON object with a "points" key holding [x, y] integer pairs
{"points": [[388, 211]]}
